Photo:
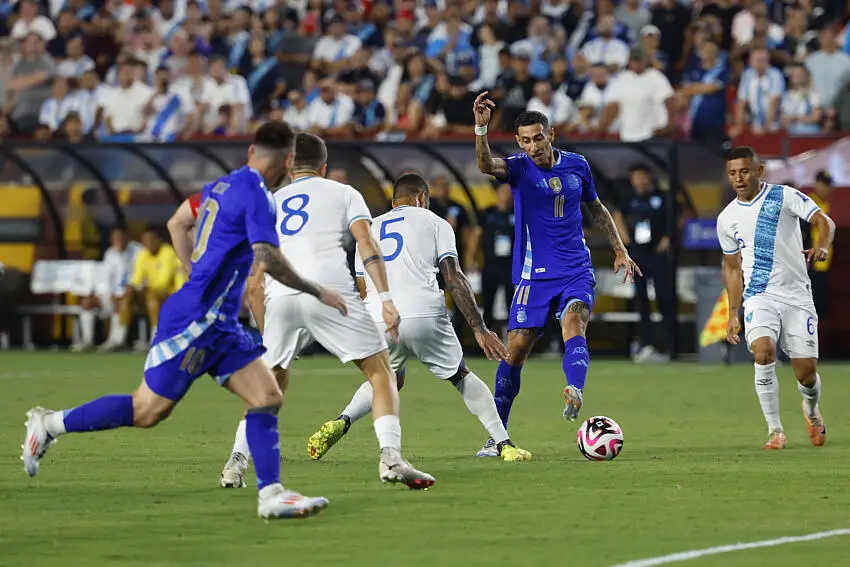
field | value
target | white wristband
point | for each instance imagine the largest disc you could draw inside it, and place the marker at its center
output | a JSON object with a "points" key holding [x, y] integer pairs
{"points": [[480, 130], [386, 296]]}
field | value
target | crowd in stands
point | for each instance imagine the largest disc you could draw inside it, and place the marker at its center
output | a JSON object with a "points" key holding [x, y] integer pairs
{"points": [[162, 69]]}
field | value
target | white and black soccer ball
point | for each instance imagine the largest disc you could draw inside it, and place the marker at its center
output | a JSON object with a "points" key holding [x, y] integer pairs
{"points": [[600, 438]]}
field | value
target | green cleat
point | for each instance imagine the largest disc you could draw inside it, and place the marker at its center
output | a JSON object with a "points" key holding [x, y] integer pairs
{"points": [[326, 437]]}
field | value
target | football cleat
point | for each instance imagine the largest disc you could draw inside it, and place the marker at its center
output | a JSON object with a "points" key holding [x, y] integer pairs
{"points": [[37, 440], [233, 475], [489, 449], [395, 470], [574, 401], [816, 427], [777, 441], [511, 453], [275, 502], [326, 437]]}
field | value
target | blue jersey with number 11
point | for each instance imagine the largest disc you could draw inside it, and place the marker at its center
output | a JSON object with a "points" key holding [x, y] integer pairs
{"points": [[549, 242], [236, 211]]}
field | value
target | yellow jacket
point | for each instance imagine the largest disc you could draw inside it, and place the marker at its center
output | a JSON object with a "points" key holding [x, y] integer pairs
{"points": [[161, 272]]}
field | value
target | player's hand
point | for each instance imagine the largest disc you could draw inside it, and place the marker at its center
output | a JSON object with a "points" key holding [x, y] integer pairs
{"points": [[816, 254], [391, 319], [333, 298], [623, 260], [733, 329], [490, 343], [482, 109]]}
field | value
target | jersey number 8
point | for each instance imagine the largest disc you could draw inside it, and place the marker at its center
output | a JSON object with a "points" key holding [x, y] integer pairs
{"points": [[206, 216], [295, 213]]}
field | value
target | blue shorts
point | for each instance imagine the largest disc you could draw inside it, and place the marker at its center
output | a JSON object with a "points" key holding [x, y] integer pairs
{"points": [[175, 361], [535, 300]]}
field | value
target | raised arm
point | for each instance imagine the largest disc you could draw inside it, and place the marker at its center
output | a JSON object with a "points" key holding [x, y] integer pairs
{"points": [[457, 284], [486, 162], [373, 263], [605, 221], [180, 227], [733, 278]]}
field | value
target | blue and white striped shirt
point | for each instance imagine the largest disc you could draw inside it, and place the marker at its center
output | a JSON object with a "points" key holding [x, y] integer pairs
{"points": [[757, 91]]}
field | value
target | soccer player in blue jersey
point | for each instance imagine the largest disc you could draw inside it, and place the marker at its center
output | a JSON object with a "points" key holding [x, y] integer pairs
{"points": [[551, 263], [199, 332]]}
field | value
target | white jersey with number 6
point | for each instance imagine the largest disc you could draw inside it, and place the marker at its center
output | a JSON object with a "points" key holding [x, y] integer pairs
{"points": [[766, 231], [413, 241], [314, 216]]}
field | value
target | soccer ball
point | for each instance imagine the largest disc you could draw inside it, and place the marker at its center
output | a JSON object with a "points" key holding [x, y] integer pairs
{"points": [[600, 438]]}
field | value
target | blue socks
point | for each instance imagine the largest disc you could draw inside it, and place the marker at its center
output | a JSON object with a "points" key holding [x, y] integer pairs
{"points": [[508, 380], [264, 442], [108, 412], [576, 361]]}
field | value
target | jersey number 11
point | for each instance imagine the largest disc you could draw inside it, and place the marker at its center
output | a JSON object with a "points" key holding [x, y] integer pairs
{"points": [[559, 206]]}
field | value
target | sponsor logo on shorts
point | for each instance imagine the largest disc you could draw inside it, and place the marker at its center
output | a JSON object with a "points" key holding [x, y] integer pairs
{"points": [[540, 271], [521, 316], [810, 343]]}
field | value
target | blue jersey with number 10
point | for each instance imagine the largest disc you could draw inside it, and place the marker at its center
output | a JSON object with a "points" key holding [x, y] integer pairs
{"points": [[236, 211], [549, 242]]}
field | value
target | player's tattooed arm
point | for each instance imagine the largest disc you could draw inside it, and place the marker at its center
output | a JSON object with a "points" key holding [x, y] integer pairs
{"points": [[487, 164], [458, 285], [373, 262], [603, 219]]}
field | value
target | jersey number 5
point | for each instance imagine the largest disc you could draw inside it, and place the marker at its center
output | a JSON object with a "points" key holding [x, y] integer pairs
{"points": [[206, 220], [559, 206], [387, 235]]}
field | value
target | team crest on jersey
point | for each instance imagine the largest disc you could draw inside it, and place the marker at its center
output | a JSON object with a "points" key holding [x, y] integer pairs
{"points": [[521, 315], [555, 184], [573, 182], [771, 210]]}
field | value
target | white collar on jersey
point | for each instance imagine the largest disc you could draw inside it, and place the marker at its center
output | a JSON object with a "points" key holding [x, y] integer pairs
{"points": [[759, 195]]}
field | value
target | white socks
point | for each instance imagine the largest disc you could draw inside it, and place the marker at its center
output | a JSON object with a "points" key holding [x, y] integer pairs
{"points": [[767, 388], [117, 331], [479, 399], [87, 327], [54, 422], [240, 444], [811, 396], [360, 404], [388, 430]]}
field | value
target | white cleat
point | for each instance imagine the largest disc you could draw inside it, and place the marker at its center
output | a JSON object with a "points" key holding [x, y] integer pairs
{"points": [[574, 400], [488, 450], [395, 470], [110, 346], [233, 475], [276, 502], [37, 440], [82, 347]]}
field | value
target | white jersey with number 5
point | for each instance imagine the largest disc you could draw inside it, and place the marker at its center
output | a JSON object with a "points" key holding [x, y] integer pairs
{"points": [[413, 241], [314, 216], [766, 231]]}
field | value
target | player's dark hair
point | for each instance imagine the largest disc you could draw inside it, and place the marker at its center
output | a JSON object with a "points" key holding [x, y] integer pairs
{"points": [[310, 152], [275, 135], [409, 185], [741, 152], [530, 118]]}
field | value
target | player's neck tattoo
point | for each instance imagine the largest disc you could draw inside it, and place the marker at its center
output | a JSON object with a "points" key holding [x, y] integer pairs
{"points": [[305, 172]]}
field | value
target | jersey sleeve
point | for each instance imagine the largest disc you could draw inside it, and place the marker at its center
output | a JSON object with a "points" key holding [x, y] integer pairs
{"points": [[359, 268], [515, 165], [799, 204], [260, 217], [728, 242], [446, 245], [588, 187], [195, 203], [357, 209]]}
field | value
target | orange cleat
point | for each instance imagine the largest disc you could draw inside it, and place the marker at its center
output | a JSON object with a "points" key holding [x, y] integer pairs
{"points": [[776, 441], [816, 427]]}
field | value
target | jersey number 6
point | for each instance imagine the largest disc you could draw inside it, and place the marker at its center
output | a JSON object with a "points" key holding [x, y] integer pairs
{"points": [[387, 235]]}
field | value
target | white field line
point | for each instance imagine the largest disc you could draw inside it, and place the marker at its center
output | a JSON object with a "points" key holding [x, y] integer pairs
{"points": [[697, 553]]}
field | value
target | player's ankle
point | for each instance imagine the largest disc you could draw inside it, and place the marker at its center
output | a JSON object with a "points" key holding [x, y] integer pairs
{"points": [[347, 421], [506, 443]]}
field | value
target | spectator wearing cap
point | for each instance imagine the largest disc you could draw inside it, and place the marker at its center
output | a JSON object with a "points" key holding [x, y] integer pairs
{"points": [[650, 42], [489, 47], [124, 105], [331, 112], [514, 88], [55, 109], [829, 67], [606, 48], [334, 50], [297, 111], [704, 93], [453, 116], [555, 106], [641, 98], [29, 85], [819, 271], [76, 62], [674, 21], [30, 21], [67, 27], [633, 15], [170, 111], [802, 111], [595, 95], [241, 95], [759, 95], [369, 113]]}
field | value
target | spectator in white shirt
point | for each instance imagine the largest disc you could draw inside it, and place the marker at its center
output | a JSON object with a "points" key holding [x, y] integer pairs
{"points": [[642, 98], [330, 113], [199, 86], [170, 111], [829, 67], [77, 62], [297, 112], [56, 108], [594, 96], [231, 90], [89, 101], [744, 25], [802, 111], [759, 95], [606, 48], [108, 293], [30, 21], [333, 50], [123, 106], [555, 106], [488, 59]]}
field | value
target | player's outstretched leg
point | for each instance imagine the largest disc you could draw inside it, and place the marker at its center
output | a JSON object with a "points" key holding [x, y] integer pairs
{"points": [[767, 388], [809, 384], [332, 431], [576, 355], [392, 468], [256, 385]]}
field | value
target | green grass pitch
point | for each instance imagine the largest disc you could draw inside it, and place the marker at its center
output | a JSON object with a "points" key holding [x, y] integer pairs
{"points": [[692, 474]]}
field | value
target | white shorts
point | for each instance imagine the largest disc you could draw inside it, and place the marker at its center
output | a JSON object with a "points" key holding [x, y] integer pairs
{"points": [[793, 328], [293, 322], [106, 308], [430, 339]]}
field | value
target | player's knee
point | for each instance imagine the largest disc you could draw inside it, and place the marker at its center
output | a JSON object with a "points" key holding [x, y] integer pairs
{"points": [[764, 356], [805, 371], [146, 415], [461, 373]]}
